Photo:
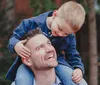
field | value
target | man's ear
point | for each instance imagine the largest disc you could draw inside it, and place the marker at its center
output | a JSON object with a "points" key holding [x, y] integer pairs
{"points": [[54, 13], [27, 61]]}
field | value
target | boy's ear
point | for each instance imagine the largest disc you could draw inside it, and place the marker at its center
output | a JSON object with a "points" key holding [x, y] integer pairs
{"points": [[27, 61], [54, 13]]}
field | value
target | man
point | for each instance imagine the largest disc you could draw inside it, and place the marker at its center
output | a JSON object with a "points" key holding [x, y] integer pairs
{"points": [[42, 60]]}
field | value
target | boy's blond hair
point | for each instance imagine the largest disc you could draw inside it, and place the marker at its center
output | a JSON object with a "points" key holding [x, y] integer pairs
{"points": [[73, 13]]}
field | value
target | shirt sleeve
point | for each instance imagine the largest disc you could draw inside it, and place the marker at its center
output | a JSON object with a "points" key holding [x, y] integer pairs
{"points": [[72, 55], [20, 31]]}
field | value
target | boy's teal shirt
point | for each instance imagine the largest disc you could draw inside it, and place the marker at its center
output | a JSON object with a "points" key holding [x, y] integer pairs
{"points": [[70, 57]]}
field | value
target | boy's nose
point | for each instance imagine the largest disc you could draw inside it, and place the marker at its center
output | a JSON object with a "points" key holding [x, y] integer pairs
{"points": [[60, 34]]}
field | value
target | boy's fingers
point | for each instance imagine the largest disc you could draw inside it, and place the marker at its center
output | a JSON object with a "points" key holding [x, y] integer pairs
{"points": [[26, 49], [74, 74], [23, 52], [76, 77], [24, 55], [78, 80]]}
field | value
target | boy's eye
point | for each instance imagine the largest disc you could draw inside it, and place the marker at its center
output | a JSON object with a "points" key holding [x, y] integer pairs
{"points": [[66, 34], [60, 29]]}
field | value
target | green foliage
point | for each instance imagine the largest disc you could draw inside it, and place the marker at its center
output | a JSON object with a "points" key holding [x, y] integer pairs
{"points": [[4, 31], [99, 2], [98, 5], [84, 3], [2, 18], [5, 62], [41, 6]]}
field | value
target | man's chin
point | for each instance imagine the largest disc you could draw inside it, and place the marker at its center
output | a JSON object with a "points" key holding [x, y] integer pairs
{"points": [[53, 64]]}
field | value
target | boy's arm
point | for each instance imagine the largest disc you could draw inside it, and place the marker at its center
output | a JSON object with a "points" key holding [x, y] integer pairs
{"points": [[20, 31], [72, 54]]}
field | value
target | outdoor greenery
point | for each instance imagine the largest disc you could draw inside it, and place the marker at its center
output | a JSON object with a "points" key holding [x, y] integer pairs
{"points": [[41, 6], [6, 60], [7, 26]]}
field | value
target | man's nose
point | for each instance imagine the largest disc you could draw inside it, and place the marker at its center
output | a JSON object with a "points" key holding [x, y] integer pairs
{"points": [[48, 48]]}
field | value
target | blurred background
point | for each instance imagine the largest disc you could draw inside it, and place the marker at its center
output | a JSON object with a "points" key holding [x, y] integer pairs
{"points": [[88, 39]]}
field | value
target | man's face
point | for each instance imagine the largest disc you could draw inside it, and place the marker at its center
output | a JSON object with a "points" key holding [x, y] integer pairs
{"points": [[43, 54], [60, 27]]}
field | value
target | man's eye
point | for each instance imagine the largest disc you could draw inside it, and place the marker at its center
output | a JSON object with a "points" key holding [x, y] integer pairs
{"points": [[37, 48]]}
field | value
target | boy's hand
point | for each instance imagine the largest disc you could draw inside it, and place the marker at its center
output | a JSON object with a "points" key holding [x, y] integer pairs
{"points": [[21, 50], [77, 75]]}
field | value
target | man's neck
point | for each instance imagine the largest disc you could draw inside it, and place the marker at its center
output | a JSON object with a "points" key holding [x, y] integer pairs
{"points": [[46, 77]]}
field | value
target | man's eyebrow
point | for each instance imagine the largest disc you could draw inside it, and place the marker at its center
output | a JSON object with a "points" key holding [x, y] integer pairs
{"points": [[43, 43], [38, 45]]}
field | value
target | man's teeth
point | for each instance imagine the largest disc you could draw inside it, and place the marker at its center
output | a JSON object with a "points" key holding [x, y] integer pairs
{"points": [[51, 56]]}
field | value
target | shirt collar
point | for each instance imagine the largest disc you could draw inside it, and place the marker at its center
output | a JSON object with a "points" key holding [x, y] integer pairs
{"points": [[57, 82]]}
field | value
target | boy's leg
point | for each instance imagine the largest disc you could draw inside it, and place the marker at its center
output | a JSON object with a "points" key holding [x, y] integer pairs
{"points": [[83, 82], [24, 76], [65, 75]]}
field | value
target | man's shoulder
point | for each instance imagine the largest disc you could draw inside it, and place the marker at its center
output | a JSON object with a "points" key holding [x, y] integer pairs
{"points": [[58, 81]]}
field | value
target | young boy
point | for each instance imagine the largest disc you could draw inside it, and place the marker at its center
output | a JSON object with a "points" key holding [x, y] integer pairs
{"points": [[63, 22]]}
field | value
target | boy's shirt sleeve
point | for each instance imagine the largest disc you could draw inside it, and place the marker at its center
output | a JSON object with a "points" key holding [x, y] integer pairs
{"points": [[72, 54], [20, 31]]}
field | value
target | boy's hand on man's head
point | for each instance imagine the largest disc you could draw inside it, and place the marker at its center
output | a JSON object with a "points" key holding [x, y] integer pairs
{"points": [[21, 50], [77, 75]]}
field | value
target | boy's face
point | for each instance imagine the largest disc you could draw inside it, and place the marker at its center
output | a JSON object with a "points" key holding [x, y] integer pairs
{"points": [[60, 27]]}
